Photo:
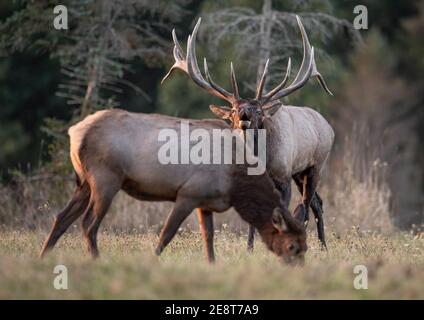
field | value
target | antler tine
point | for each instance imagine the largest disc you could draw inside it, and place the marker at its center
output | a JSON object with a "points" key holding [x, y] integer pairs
{"points": [[196, 75], [234, 82], [177, 46], [302, 71], [307, 70], [188, 63], [306, 51], [261, 84], [320, 79], [209, 78], [205, 66], [193, 67], [179, 55], [282, 83]]}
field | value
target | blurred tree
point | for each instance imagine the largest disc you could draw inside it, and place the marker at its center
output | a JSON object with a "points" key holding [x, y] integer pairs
{"points": [[27, 86], [104, 35], [375, 123], [96, 55], [411, 66], [273, 32]]}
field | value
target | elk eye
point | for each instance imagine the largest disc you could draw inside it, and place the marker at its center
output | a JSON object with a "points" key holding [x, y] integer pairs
{"points": [[258, 112]]}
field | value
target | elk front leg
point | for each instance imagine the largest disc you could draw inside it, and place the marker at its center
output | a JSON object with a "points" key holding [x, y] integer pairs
{"points": [[205, 218], [285, 189], [179, 212]]}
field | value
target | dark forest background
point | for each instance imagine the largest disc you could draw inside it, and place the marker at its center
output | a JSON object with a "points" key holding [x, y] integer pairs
{"points": [[115, 53]]}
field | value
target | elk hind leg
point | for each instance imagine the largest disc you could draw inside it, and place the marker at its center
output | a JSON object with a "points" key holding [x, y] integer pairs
{"points": [[103, 190], [73, 210]]}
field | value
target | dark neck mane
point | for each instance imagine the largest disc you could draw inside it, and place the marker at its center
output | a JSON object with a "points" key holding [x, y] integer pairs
{"points": [[253, 197]]}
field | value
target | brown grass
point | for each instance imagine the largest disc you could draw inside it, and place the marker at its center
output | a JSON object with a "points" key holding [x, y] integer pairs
{"points": [[128, 268], [359, 231]]}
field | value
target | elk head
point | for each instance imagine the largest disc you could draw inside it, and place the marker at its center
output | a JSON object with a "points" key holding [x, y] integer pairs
{"points": [[245, 113], [288, 237]]}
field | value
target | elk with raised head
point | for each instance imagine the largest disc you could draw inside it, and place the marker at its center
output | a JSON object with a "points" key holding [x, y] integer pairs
{"points": [[299, 139], [116, 150]]}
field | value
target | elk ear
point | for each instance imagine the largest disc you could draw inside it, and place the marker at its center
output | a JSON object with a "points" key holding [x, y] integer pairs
{"points": [[270, 109], [278, 220], [300, 213], [221, 111]]}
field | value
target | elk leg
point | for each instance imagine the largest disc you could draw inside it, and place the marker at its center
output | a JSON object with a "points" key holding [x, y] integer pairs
{"points": [[90, 226], [314, 200], [179, 212], [301, 181], [250, 238], [73, 210], [86, 221], [100, 202], [316, 205], [285, 189], [206, 226]]}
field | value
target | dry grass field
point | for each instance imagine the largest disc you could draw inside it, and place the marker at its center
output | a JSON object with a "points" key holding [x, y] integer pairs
{"points": [[359, 232], [128, 269]]}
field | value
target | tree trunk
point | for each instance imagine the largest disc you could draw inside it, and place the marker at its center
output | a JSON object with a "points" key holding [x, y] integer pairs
{"points": [[92, 92], [265, 34]]}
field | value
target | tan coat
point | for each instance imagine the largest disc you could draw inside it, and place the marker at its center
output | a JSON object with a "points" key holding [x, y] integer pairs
{"points": [[297, 138]]}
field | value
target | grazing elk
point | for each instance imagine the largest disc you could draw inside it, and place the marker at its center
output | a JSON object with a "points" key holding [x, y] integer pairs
{"points": [[116, 150], [299, 139]]}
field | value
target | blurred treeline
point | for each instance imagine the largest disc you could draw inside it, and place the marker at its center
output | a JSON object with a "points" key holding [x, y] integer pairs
{"points": [[115, 53]]}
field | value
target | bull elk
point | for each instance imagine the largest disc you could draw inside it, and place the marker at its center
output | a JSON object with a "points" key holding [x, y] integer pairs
{"points": [[114, 150], [299, 139]]}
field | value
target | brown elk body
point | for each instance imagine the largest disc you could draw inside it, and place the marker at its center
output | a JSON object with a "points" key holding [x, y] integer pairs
{"points": [[299, 139], [116, 150]]}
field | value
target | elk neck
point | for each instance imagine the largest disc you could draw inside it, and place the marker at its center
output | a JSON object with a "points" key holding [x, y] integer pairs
{"points": [[254, 199]]}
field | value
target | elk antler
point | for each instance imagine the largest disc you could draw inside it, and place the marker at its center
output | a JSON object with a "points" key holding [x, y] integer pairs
{"points": [[307, 69], [190, 67]]}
